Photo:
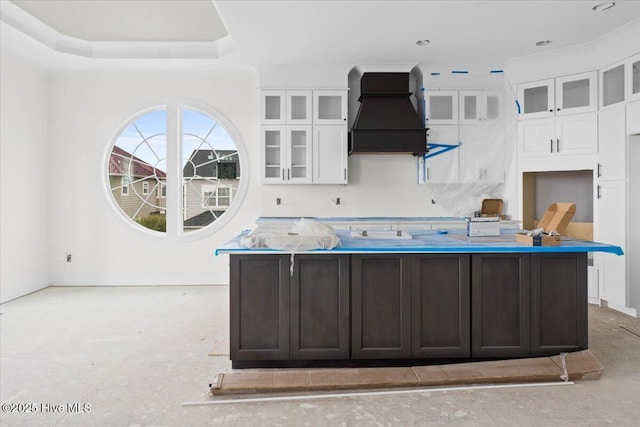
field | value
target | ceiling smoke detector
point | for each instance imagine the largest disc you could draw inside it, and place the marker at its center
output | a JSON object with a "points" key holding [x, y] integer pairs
{"points": [[543, 43], [603, 6]]}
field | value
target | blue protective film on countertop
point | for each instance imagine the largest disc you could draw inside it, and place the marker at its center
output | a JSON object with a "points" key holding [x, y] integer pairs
{"points": [[435, 241]]}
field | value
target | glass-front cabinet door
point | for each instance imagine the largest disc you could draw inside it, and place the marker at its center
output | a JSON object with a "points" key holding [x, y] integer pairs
{"points": [[576, 93], [633, 78], [298, 161], [536, 99], [441, 107], [329, 107], [299, 107], [273, 154], [612, 87], [273, 107]]}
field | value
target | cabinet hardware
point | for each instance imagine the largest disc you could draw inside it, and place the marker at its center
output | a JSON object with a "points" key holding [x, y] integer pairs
{"points": [[558, 109], [288, 174], [551, 111], [552, 145], [283, 174], [599, 192], [558, 145], [345, 173], [599, 170]]}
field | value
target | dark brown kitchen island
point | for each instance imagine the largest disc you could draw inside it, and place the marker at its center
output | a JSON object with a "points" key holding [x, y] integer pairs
{"points": [[440, 298]]}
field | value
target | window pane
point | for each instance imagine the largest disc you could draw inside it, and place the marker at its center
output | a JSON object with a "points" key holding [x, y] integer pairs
{"points": [[137, 166], [210, 169]]}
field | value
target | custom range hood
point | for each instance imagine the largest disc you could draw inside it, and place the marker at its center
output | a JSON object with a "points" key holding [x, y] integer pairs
{"points": [[386, 122]]}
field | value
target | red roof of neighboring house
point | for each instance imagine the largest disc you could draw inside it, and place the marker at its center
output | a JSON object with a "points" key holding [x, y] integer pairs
{"points": [[119, 159]]}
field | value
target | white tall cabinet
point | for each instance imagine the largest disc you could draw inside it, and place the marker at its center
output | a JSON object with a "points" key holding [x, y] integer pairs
{"points": [[304, 136]]}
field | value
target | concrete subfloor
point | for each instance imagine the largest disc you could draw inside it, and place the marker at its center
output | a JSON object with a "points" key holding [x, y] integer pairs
{"points": [[136, 355]]}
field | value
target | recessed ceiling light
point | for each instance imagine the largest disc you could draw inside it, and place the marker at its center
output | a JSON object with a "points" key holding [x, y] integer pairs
{"points": [[603, 6], [423, 42], [543, 42]]}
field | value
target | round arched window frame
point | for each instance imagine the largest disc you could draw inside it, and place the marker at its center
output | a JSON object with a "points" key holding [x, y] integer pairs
{"points": [[171, 175]]}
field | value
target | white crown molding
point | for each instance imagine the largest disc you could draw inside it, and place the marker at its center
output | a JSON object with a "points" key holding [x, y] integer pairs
{"points": [[34, 28]]}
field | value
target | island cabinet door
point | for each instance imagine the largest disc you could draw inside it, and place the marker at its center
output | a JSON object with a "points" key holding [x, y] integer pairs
{"points": [[440, 306], [319, 305], [380, 306], [558, 303], [259, 307], [500, 305]]}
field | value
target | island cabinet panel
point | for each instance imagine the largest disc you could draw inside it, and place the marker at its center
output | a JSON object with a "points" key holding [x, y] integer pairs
{"points": [[259, 310], [558, 303], [381, 310], [320, 307], [440, 310], [500, 305]]}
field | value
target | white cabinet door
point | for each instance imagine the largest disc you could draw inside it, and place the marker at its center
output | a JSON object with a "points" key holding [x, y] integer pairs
{"points": [[536, 99], [576, 134], [536, 137], [329, 107], [298, 157], [479, 161], [576, 93], [632, 74], [330, 155], [612, 138], [611, 228], [273, 107], [273, 154], [633, 117], [298, 111], [441, 107], [442, 168]]}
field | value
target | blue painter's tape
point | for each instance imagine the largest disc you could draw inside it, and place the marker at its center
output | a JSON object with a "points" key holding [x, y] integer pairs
{"points": [[459, 72], [435, 74], [518, 106], [496, 71]]}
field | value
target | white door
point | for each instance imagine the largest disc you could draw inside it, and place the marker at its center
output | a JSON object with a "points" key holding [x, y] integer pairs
{"points": [[576, 134], [441, 107], [272, 107], [611, 228], [576, 93], [329, 107], [330, 155], [298, 159], [536, 137], [273, 154], [299, 107], [612, 139]]}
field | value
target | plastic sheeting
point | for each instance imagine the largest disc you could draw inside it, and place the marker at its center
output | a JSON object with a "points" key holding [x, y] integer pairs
{"points": [[459, 179], [303, 235]]}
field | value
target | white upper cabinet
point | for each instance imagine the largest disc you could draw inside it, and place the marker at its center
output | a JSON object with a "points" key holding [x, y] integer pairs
{"points": [[304, 136], [573, 94], [279, 107], [477, 107], [442, 168], [441, 107], [633, 78], [329, 107], [612, 85]]}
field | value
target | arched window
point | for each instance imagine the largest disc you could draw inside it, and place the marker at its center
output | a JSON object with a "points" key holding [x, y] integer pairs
{"points": [[176, 170]]}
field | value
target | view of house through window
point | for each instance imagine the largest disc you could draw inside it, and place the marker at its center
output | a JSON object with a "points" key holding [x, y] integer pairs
{"points": [[209, 172]]}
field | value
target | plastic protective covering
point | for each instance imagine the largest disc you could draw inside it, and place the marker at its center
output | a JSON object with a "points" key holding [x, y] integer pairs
{"points": [[485, 132], [303, 235]]}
